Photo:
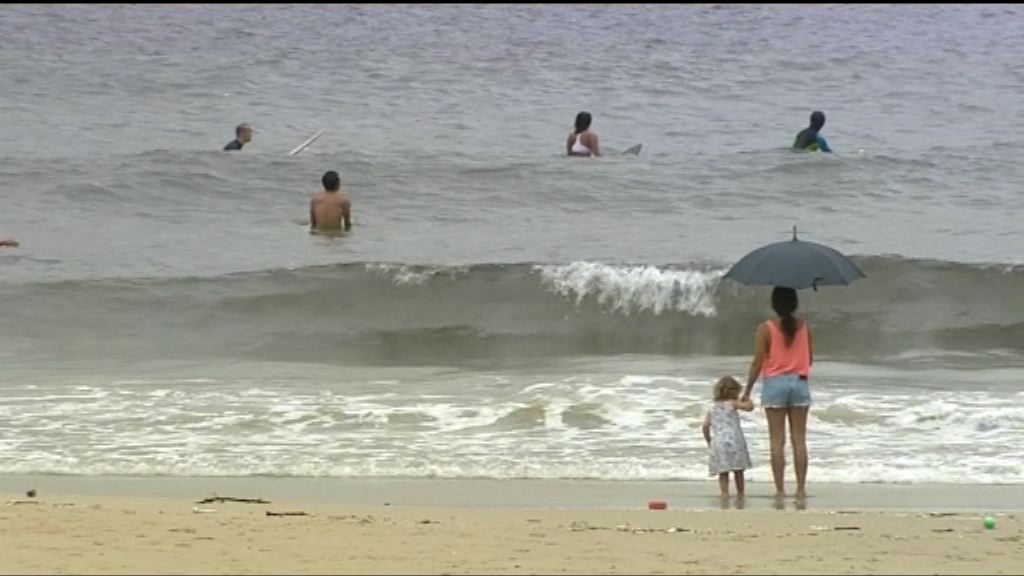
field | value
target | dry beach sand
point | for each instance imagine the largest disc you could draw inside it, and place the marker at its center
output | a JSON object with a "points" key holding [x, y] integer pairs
{"points": [[60, 533]]}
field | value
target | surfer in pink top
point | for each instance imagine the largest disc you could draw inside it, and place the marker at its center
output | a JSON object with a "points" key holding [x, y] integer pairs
{"points": [[783, 354]]}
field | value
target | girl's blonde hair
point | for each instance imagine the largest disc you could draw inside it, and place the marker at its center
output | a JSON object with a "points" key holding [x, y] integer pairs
{"points": [[727, 388]]}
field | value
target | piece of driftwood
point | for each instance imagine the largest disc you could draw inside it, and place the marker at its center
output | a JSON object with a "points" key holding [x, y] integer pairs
{"points": [[269, 513], [231, 499]]}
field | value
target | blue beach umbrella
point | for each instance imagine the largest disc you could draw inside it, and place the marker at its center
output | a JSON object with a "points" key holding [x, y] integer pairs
{"points": [[794, 264]]}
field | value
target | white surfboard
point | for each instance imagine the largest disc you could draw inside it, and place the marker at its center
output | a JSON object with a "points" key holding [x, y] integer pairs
{"points": [[303, 146], [634, 150]]}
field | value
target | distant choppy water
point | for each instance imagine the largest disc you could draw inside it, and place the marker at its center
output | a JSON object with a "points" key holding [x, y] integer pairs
{"points": [[499, 310]]}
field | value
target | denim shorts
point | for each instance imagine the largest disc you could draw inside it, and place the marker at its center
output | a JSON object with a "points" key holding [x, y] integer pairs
{"points": [[784, 391]]}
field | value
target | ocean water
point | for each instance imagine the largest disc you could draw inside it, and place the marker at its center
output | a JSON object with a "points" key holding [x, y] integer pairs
{"points": [[499, 310]]}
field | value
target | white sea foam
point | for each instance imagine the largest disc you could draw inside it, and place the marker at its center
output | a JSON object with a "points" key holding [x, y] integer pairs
{"points": [[635, 288], [577, 426]]}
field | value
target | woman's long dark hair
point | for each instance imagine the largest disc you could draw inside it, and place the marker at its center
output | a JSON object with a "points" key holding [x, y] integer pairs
{"points": [[785, 303], [582, 122]]}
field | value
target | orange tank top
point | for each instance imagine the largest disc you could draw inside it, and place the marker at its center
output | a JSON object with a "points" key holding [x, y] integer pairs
{"points": [[792, 359]]}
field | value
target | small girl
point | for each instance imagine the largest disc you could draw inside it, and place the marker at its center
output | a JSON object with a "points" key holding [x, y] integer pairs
{"points": [[726, 444]]}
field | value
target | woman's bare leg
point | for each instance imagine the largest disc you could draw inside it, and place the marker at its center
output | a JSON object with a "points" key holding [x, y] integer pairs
{"points": [[723, 484], [741, 484], [777, 437], [798, 434]]}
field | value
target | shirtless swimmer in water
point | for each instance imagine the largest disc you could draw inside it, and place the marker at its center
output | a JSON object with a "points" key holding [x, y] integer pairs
{"points": [[330, 210]]}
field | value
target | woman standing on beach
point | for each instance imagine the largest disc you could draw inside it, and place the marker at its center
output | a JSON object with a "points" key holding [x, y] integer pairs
{"points": [[783, 354]]}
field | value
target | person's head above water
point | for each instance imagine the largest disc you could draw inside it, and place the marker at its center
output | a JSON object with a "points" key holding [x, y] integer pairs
{"points": [[243, 132], [810, 138], [331, 181], [817, 119], [583, 120]]}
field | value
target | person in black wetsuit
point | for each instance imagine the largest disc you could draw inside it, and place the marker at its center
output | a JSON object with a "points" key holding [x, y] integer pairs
{"points": [[243, 135], [809, 139]]}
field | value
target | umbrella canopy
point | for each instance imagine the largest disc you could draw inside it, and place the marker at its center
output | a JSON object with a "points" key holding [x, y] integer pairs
{"points": [[794, 264]]}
